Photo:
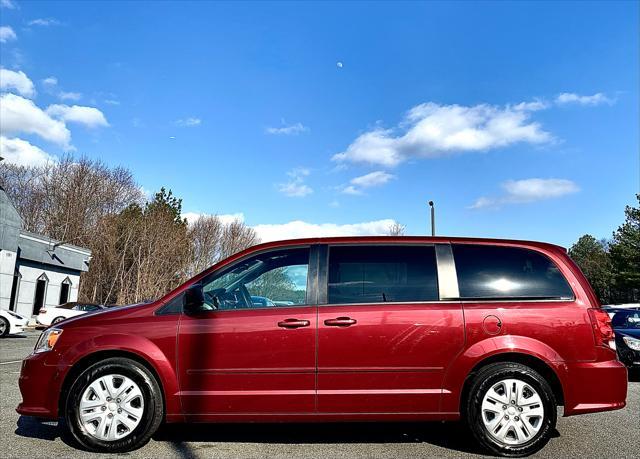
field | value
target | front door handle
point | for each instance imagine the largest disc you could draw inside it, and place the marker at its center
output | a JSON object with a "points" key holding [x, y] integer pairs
{"points": [[293, 323], [340, 322]]}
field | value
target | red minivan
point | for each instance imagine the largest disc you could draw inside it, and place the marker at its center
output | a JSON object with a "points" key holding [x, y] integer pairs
{"points": [[496, 332]]}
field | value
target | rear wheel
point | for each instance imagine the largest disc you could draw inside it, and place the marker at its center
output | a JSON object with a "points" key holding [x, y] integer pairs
{"points": [[56, 320], [511, 409], [4, 327], [114, 406]]}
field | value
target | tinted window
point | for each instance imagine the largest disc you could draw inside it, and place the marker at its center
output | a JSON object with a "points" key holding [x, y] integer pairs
{"points": [[271, 279], [626, 319], [378, 274], [507, 272]]}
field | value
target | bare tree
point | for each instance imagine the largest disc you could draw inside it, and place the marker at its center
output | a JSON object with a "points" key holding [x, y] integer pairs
{"points": [[396, 229], [212, 241]]}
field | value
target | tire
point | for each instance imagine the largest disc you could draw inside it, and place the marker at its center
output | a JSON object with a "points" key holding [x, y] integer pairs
{"points": [[4, 327], [113, 430], [513, 429], [56, 320]]}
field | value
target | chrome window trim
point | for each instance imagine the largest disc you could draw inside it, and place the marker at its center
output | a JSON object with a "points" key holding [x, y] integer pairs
{"points": [[447, 275]]}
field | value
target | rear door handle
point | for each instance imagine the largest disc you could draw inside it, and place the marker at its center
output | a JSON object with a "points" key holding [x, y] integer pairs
{"points": [[293, 323], [340, 322]]}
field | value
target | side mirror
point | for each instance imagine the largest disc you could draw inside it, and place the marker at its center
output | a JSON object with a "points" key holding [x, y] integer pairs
{"points": [[193, 299]]}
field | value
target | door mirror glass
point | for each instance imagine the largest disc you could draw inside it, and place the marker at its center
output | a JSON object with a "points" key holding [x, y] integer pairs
{"points": [[193, 299]]}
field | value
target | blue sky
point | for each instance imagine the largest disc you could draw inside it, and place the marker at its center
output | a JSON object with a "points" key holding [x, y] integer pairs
{"points": [[519, 120]]}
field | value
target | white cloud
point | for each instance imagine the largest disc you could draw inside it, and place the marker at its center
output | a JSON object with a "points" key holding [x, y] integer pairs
{"points": [[9, 4], [291, 129], [89, 116], [567, 98], [528, 190], [431, 130], [50, 81], [224, 218], [296, 186], [44, 22], [189, 122], [22, 153], [534, 106], [7, 34], [22, 115], [301, 229], [74, 96], [112, 102], [373, 179], [17, 81]]}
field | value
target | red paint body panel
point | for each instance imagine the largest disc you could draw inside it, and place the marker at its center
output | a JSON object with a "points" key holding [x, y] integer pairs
{"points": [[241, 361], [391, 360], [398, 361]]}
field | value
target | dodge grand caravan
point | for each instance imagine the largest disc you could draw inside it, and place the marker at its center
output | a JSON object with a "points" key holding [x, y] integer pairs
{"points": [[497, 333]]}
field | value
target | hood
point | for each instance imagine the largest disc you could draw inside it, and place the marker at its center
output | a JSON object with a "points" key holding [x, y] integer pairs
{"points": [[633, 332], [93, 317]]}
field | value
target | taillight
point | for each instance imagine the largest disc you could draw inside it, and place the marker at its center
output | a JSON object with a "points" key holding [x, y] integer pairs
{"points": [[42, 311], [602, 330]]}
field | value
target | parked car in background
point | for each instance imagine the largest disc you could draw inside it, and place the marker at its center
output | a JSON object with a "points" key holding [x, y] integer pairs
{"points": [[261, 301], [498, 333], [626, 325], [52, 315], [11, 323]]}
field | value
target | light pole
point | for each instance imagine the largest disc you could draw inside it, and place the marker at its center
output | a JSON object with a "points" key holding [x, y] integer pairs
{"points": [[433, 218]]}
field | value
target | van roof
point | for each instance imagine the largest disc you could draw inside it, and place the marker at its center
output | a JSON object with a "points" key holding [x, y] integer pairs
{"points": [[405, 239]]}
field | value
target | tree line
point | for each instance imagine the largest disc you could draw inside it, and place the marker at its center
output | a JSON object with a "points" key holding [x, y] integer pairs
{"points": [[613, 265], [141, 247]]}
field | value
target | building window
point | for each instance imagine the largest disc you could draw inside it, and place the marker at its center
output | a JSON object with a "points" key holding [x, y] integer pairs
{"points": [[15, 290], [40, 294], [64, 291]]}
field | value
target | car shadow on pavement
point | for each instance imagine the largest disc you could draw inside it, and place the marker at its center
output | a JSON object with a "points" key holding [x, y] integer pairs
{"points": [[634, 374], [35, 428], [447, 435]]}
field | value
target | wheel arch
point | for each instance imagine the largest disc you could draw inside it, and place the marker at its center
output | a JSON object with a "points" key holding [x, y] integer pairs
{"points": [[505, 348], [528, 360]]}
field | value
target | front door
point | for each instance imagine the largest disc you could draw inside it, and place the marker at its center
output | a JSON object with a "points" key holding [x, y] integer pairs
{"points": [[384, 339], [38, 299], [251, 350]]}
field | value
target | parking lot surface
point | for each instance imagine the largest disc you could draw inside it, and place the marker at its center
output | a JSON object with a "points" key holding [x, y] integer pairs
{"points": [[611, 434]]}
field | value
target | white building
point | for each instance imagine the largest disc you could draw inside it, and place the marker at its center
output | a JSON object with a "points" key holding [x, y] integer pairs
{"points": [[35, 271]]}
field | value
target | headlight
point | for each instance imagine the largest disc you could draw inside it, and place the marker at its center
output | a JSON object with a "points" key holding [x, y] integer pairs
{"points": [[47, 340], [13, 314], [633, 343]]}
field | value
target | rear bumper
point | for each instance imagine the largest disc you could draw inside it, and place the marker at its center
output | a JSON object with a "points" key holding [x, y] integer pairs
{"points": [[591, 387], [40, 386]]}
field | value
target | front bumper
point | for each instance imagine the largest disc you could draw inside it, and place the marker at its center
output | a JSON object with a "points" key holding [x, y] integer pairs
{"points": [[595, 386], [40, 386]]}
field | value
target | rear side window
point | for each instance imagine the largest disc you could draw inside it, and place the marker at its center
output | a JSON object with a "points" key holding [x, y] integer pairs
{"points": [[379, 274], [494, 272]]}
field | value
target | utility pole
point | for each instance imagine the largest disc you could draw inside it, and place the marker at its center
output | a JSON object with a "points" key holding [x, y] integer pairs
{"points": [[433, 218]]}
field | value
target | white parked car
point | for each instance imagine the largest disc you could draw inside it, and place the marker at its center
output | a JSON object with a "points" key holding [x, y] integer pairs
{"points": [[52, 315], [11, 323]]}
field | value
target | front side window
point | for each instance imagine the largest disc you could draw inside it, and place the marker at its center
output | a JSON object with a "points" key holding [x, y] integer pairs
{"points": [[496, 272], [379, 274], [277, 278]]}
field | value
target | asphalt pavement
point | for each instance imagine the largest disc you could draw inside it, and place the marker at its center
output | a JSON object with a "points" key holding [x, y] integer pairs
{"points": [[611, 434]]}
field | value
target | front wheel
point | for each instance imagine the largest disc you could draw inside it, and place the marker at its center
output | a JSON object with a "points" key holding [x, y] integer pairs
{"points": [[114, 406], [511, 409]]}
